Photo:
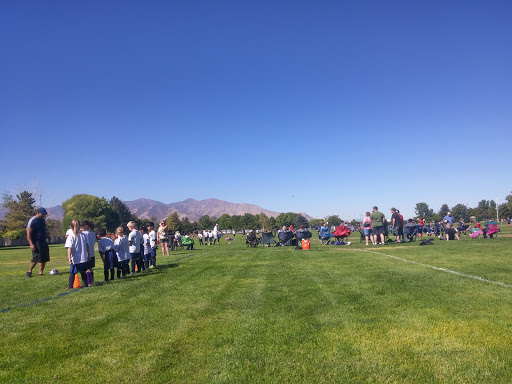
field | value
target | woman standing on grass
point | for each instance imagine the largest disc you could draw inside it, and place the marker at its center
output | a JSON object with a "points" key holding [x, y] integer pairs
{"points": [[367, 227], [78, 253], [163, 237]]}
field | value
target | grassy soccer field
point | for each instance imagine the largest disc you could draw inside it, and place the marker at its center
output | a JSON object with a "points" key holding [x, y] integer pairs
{"points": [[230, 314]]}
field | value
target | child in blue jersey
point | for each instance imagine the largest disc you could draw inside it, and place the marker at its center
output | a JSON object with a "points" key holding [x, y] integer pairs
{"points": [[122, 249], [134, 241], [107, 251], [152, 243], [78, 253]]}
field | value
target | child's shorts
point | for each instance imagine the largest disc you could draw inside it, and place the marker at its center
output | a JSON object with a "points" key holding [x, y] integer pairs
{"points": [[135, 256], [147, 256], [110, 260], [75, 268], [91, 263], [123, 264]]}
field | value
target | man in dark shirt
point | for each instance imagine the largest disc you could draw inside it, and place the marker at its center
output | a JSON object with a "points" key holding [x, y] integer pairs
{"points": [[36, 236], [396, 224], [451, 233]]}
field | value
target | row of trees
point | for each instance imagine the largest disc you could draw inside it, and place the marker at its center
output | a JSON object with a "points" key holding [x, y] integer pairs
{"points": [[21, 208], [111, 213], [236, 222], [485, 210]]}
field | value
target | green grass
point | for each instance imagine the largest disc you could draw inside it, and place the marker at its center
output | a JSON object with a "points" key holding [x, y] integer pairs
{"points": [[229, 314]]}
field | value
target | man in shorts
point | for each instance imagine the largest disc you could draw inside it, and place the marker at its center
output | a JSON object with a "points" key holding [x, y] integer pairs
{"points": [[36, 236], [396, 224], [377, 226]]}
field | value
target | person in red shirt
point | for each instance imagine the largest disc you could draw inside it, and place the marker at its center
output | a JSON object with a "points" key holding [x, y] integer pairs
{"points": [[401, 221]]}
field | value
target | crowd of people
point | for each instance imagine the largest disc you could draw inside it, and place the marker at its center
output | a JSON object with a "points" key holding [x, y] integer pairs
{"points": [[135, 250]]}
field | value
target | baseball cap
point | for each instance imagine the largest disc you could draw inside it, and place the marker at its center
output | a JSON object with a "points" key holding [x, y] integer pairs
{"points": [[42, 211]]}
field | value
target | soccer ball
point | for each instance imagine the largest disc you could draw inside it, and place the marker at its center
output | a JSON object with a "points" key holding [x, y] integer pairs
{"points": [[54, 272], [229, 243], [348, 243]]}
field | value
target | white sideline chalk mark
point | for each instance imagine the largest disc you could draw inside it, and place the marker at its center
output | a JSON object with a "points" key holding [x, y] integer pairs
{"points": [[444, 270]]}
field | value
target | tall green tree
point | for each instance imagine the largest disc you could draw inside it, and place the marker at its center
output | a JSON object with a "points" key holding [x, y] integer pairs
{"points": [[205, 222], [443, 211], [334, 220], [272, 223], [460, 212], [301, 220], [21, 209], [236, 222], [89, 207], [187, 225], [286, 219], [422, 210], [121, 209], [249, 221], [316, 222], [224, 221], [173, 222]]}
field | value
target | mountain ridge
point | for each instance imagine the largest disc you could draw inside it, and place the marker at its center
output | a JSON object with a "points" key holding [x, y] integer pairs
{"points": [[191, 208]]}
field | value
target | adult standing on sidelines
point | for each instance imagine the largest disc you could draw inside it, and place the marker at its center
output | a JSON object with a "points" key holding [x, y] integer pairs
{"points": [[448, 218], [396, 224], [378, 225], [36, 236]]}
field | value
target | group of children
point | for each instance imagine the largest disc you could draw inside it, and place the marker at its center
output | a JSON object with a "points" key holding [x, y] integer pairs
{"points": [[138, 248]]}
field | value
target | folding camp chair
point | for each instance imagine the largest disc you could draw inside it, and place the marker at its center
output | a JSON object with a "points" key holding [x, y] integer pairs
{"points": [[251, 240], [267, 240], [302, 234], [493, 229], [285, 238]]}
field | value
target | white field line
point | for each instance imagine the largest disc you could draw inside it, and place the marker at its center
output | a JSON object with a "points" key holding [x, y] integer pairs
{"points": [[444, 270]]}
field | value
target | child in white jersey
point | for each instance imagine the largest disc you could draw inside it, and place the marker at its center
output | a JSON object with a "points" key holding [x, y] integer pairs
{"points": [[152, 243], [78, 253], [107, 253], [134, 240], [86, 228], [122, 249], [146, 250]]}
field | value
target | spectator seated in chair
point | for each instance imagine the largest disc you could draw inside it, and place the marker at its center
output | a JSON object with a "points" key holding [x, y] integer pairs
{"points": [[188, 242], [324, 234], [341, 232], [285, 237], [267, 239], [251, 240]]}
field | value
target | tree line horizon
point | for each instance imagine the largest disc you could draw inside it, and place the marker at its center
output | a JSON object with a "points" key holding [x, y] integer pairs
{"points": [[109, 214]]}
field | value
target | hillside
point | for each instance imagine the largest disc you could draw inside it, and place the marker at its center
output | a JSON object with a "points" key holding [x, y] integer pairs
{"points": [[191, 208]]}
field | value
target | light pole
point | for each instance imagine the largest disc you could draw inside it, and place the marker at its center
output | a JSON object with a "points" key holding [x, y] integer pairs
{"points": [[497, 213]]}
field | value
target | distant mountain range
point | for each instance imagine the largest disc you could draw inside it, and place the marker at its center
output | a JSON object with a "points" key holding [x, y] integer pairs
{"points": [[190, 208]]}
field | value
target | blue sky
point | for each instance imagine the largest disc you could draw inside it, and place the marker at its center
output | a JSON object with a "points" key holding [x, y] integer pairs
{"points": [[325, 107]]}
